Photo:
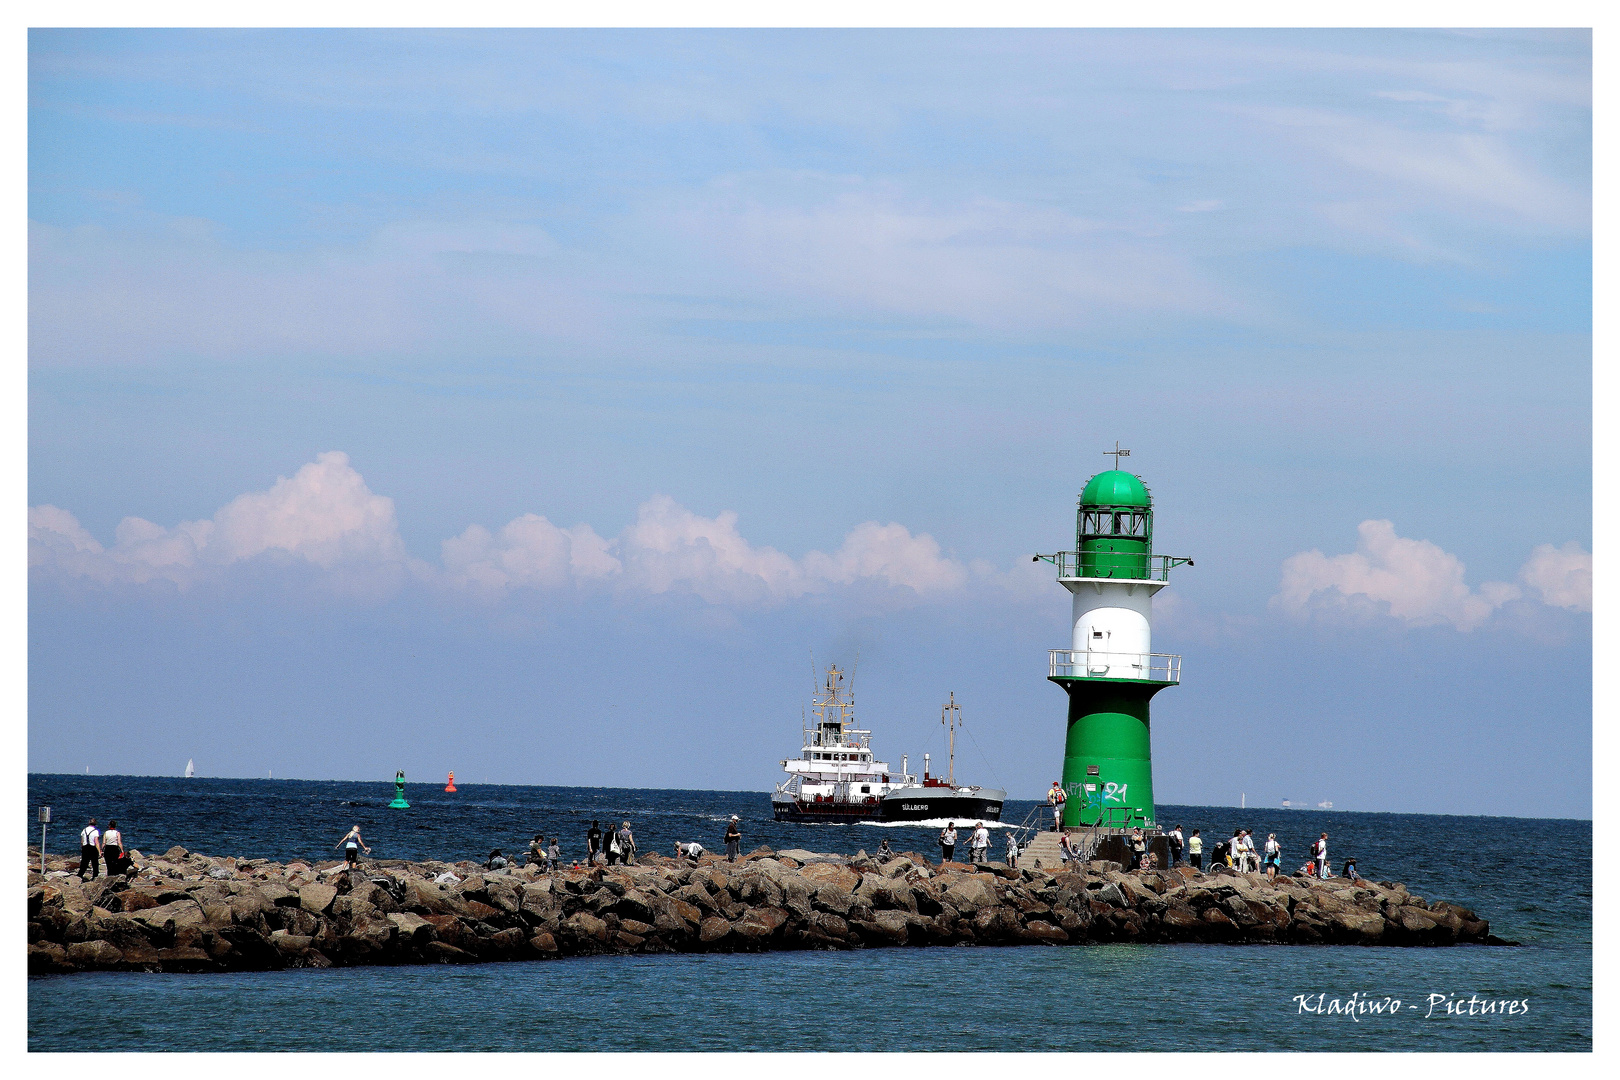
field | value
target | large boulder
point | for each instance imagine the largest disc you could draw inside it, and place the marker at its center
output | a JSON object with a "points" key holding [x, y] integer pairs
{"points": [[315, 899], [971, 893]]}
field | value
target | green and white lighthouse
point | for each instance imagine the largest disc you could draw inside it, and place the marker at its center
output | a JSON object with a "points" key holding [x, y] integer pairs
{"points": [[1110, 671]]}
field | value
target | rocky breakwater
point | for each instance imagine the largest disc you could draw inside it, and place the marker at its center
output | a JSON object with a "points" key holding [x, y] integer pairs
{"points": [[190, 912]]}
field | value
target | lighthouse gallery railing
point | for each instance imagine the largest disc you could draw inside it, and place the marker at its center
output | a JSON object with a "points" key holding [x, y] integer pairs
{"points": [[1072, 664], [1069, 564]]}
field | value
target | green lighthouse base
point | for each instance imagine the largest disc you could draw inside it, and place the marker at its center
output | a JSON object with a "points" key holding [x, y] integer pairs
{"points": [[1108, 756]]}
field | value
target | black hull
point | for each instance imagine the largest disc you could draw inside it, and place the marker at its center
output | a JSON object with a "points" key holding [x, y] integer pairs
{"points": [[827, 813], [948, 806]]}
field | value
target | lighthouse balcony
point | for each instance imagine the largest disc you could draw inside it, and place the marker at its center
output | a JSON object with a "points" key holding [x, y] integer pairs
{"points": [[1113, 566], [1150, 667]]}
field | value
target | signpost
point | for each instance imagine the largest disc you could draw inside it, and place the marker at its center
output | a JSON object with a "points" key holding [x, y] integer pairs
{"points": [[44, 820]]}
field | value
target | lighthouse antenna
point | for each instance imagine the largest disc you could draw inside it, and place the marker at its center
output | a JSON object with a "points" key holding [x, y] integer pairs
{"points": [[1116, 453]]}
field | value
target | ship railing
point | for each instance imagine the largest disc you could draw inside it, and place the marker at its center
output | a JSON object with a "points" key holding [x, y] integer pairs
{"points": [[1070, 565], [1077, 664]]}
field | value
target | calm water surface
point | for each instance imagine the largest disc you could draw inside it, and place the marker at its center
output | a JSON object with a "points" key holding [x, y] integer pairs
{"points": [[1530, 877]]}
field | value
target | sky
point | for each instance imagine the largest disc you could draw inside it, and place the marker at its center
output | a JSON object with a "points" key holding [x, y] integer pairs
{"points": [[547, 406]]}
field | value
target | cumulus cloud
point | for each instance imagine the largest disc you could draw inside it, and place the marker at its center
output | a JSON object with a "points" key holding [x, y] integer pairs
{"points": [[1421, 584], [1561, 576], [323, 516]]}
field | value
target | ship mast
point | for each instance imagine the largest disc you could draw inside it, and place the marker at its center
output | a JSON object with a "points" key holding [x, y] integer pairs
{"points": [[950, 713]]}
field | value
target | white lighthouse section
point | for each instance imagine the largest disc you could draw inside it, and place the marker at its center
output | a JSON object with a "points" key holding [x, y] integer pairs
{"points": [[1113, 626]]}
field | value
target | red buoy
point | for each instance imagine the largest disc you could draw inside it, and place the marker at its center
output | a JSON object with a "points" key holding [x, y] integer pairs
{"points": [[451, 786]]}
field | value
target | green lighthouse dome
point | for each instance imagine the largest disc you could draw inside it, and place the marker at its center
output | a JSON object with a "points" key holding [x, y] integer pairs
{"points": [[1116, 487]]}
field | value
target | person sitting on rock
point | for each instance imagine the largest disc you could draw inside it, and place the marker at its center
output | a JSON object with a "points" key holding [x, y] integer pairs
{"points": [[1350, 870], [497, 861], [537, 853], [884, 851]]}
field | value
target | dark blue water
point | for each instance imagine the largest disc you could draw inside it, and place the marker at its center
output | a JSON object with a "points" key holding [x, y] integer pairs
{"points": [[1530, 877]]}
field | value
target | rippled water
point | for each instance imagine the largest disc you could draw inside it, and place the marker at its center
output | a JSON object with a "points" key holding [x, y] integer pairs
{"points": [[1530, 877]]}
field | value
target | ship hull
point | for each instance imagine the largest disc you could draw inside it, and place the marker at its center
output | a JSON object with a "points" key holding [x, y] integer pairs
{"points": [[914, 804], [826, 812]]}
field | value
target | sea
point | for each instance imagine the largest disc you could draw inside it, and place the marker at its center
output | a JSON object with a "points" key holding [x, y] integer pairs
{"points": [[1531, 877]]}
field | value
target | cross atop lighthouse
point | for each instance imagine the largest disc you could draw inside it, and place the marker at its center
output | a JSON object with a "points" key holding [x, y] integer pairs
{"points": [[1117, 453]]}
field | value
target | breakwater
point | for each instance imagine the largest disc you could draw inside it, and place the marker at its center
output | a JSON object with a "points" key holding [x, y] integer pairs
{"points": [[184, 911]]}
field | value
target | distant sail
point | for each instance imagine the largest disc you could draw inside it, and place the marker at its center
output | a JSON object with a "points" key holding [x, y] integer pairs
{"points": [[191, 768]]}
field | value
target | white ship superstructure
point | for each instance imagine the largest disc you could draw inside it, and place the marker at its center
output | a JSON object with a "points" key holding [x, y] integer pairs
{"points": [[836, 776]]}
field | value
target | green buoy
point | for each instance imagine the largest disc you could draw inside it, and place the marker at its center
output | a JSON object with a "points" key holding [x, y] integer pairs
{"points": [[399, 802]]}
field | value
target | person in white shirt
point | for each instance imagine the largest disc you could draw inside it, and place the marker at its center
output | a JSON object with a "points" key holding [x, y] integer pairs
{"points": [[1177, 842], [980, 843], [1319, 855], [1012, 849], [688, 851], [1273, 860], [947, 842], [90, 851], [1251, 858], [112, 848]]}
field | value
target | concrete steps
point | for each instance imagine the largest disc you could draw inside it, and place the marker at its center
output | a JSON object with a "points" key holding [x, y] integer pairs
{"points": [[1042, 852]]}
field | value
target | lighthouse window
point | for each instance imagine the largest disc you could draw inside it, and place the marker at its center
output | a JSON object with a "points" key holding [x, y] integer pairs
{"points": [[866, 789]]}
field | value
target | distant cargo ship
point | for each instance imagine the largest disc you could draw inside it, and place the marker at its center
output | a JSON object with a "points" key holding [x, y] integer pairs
{"points": [[837, 778]]}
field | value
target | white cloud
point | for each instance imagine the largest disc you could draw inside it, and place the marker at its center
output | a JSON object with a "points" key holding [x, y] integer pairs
{"points": [[1561, 576], [1421, 584], [323, 515], [528, 552]]}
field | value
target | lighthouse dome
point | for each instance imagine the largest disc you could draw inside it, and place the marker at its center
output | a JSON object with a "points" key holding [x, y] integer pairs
{"points": [[1116, 487]]}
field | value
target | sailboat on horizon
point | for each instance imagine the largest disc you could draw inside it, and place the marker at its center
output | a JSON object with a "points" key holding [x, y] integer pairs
{"points": [[191, 768]]}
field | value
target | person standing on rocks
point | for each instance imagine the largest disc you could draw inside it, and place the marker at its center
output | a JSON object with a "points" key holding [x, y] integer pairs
{"points": [[980, 843], [733, 839], [1012, 849], [627, 844], [351, 845], [1319, 856], [593, 843], [554, 855], [112, 849], [1195, 851], [1055, 798], [1176, 843], [947, 843], [90, 851], [1138, 849], [1272, 863]]}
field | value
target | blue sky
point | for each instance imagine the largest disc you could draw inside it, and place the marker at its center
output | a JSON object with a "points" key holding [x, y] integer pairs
{"points": [[535, 404]]}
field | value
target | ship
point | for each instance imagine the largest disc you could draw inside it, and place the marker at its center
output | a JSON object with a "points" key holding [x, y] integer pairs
{"points": [[838, 778]]}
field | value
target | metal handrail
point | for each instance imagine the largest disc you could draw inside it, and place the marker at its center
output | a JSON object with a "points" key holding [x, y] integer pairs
{"points": [[1068, 564], [1085, 664]]}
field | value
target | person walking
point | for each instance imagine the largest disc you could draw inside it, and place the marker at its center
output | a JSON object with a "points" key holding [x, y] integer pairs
{"points": [[351, 845], [980, 844], [1176, 842], [1319, 856], [1066, 851], [627, 844], [947, 843], [1195, 851], [1273, 859], [733, 839], [90, 851], [112, 848], [1012, 849], [593, 843], [1055, 798]]}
